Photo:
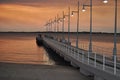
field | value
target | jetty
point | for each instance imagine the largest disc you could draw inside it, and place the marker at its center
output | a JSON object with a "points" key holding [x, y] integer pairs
{"points": [[99, 66]]}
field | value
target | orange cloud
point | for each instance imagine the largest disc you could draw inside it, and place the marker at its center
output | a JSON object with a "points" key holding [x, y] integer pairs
{"points": [[26, 16], [32, 16]]}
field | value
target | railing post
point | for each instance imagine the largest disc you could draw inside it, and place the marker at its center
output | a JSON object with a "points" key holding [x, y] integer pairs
{"points": [[95, 60], [60, 47], [74, 52], [65, 47], [70, 51], [78, 54], [88, 57], [103, 62], [82, 56], [115, 64]]}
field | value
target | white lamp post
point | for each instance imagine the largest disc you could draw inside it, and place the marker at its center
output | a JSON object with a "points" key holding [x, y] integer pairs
{"points": [[77, 35], [90, 37], [115, 29], [115, 35], [68, 24]]}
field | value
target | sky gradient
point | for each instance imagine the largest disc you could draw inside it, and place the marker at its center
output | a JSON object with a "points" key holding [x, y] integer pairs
{"points": [[31, 15]]}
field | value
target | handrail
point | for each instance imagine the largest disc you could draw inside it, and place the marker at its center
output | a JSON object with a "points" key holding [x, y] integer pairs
{"points": [[99, 61]]}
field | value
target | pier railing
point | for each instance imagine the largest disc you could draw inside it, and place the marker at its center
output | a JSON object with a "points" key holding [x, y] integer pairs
{"points": [[98, 61]]}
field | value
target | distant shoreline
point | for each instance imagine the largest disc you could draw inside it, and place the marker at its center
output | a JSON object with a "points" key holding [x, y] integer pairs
{"points": [[65, 32]]}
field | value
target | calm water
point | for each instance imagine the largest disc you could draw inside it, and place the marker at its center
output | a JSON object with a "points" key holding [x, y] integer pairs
{"points": [[22, 48], [101, 43]]}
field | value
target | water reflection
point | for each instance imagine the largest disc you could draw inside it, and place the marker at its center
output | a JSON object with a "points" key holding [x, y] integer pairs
{"points": [[22, 48], [102, 43]]}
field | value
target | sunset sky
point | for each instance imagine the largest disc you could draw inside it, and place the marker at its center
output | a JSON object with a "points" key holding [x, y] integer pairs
{"points": [[31, 15]]}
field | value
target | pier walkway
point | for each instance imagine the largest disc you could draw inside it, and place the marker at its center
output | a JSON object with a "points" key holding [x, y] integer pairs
{"points": [[90, 64]]}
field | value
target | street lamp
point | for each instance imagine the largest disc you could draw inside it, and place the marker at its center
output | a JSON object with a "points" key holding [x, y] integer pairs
{"points": [[46, 27], [58, 20], [62, 20], [90, 37], [50, 23], [115, 35], [68, 24], [63, 24], [53, 27], [115, 30], [57, 25], [77, 35], [115, 38], [72, 14], [83, 9]]}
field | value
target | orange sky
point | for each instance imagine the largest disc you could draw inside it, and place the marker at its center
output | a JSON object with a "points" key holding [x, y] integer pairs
{"points": [[31, 15]]}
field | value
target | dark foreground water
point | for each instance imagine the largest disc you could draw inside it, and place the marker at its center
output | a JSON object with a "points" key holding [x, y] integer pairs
{"points": [[22, 48]]}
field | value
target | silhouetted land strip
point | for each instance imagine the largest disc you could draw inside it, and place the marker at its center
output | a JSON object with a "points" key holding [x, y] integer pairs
{"points": [[64, 32]]}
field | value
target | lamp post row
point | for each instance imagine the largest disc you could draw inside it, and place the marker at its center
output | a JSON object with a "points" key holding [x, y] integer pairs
{"points": [[90, 37]]}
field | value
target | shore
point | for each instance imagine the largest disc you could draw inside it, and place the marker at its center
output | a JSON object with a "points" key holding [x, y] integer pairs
{"points": [[13, 71]]}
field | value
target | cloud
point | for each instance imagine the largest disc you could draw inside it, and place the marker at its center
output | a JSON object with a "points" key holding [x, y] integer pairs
{"points": [[54, 3], [37, 3], [32, 1], [21, 1], [33, 14]]}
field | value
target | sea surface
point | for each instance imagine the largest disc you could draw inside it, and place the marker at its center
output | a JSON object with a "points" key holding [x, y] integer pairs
{"points": [[22, 47], [101, 43]]}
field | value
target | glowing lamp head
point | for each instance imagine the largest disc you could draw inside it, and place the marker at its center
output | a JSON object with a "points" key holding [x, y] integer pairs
{"points": [[83, 10], [105, 1], [63, 18], [72, 14]]}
